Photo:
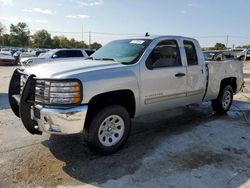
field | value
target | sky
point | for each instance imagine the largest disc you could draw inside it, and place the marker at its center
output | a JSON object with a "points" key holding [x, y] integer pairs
{"points": [[209, 21]]}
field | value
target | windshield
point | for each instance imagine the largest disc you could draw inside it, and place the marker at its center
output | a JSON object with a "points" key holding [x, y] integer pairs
{"points": [[47, 54], [5, 54], [125, 51]]}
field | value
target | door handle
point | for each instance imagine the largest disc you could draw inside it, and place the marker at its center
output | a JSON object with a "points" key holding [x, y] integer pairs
{"points": [[180, 74]]}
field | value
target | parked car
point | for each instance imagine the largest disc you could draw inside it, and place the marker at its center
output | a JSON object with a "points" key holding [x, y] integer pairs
{"points": [[122, 80], [6, 58], [26, 56], [39, 52], [219, 55], [240, 53], [59, 54], [248, 54], [211, 55], [16, 55]]}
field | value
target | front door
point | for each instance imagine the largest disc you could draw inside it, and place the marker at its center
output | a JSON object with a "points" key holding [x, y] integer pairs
{"points": [[163, 78]]}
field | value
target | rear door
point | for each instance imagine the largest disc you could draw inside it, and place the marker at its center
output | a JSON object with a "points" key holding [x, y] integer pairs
{"points": [[196, 79]]}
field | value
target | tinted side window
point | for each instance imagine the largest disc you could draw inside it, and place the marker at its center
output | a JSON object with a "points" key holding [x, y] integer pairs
{"points": [[190, 53], [74, 53], [89, 52], [61, 54], [166, 54]]}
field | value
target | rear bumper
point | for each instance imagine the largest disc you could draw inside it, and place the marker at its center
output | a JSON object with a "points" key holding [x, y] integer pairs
{"points": [[60, 121]]}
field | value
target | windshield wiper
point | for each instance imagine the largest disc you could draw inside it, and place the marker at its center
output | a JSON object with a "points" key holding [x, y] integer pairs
{"points": [[107, 59]]}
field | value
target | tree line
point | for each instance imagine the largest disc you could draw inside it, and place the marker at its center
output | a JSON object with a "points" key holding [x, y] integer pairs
{"points": [[20, 36], [221, 46]]}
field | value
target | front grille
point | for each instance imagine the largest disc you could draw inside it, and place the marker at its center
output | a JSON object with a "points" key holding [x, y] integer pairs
{"points": [[7, 60]]}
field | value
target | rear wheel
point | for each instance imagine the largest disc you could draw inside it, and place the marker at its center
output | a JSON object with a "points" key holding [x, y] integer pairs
{"points": [[224, 101], [109, 129]]}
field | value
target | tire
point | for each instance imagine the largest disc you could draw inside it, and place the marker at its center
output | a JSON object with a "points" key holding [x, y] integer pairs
{"points": [[224, 100], [109, 129], [241, 58]]}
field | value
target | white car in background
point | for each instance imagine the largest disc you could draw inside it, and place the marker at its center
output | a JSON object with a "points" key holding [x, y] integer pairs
{"points": [[26, 55], [59, 54], [247, 54]]}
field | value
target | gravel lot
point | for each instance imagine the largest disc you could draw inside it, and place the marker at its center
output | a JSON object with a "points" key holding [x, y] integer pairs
{"points": [[184, 147]]}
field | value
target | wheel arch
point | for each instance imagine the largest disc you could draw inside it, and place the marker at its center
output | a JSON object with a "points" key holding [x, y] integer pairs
{"points": [[232, 81], [125, 98]]}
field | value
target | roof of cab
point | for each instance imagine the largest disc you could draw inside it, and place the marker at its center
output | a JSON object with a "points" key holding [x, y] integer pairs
{"points": [[153, 37]]}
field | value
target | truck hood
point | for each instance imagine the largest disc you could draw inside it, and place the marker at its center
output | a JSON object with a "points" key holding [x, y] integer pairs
{"points": [[66, 68]]}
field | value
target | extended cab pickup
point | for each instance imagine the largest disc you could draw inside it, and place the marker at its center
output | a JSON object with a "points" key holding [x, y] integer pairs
{"points": [[122, 80]]}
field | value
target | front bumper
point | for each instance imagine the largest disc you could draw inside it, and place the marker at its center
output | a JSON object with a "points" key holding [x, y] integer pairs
{"points": [[60, 121], [8, 63], [40, 118]]}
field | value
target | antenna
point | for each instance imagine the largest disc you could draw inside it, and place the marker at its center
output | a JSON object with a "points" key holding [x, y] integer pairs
{"points": [[147, 35]]}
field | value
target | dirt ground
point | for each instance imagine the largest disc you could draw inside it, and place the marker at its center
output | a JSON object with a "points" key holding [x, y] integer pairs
{"points": [[183, 147]]}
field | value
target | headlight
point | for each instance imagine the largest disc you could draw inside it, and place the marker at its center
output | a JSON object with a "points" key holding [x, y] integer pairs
{"points": [[58, 92]]}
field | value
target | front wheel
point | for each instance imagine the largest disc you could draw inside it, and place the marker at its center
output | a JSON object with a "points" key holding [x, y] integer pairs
{"points": [[224, 100], [109, 129]]}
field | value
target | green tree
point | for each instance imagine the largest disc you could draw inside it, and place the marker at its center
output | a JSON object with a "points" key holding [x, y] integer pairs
{"points": [[95, 45], [13, 41], [81, 44], [42, 39], [2, 31], [55, 42], [246, 46], [19, 34], [5, 40], [64, 42], [219, 46], [72, 43]]}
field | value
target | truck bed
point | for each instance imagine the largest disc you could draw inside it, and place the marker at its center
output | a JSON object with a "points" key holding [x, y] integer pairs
{"points": [[219, 70]]}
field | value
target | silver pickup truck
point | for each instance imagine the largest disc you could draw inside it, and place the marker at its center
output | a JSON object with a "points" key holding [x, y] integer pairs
{"points": [[122, 80]]}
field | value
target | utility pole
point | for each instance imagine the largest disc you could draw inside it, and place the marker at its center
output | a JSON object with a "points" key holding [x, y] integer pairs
{"points": [[82, 35], [227, 41], [89, 38]]}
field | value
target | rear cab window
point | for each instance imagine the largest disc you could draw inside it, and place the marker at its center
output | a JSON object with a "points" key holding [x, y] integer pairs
{"points": [[191, 54]]}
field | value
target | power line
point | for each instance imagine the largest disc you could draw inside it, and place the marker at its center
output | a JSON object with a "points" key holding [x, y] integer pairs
{"points": [[211, 36], [118, 33], [81, 32], [136, 34], [243, 37], [227, 41]]}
